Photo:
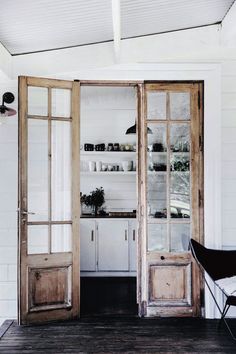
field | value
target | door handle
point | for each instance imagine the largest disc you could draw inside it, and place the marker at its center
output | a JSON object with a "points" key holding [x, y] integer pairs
{"points": [[126, 235], [24, 212], [133, 235], [92, 235]]}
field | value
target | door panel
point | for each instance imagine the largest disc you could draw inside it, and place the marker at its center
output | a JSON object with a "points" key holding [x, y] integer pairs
{"points": [[49, 288], [170, 284], [170, 177], [48, 210]]}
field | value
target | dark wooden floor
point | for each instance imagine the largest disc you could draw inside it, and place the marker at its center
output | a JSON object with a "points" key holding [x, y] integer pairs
{"points": [[119, 335]]}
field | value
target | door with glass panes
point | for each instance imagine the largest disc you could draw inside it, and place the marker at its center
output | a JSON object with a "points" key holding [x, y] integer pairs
{"points": [[171, 210], [48, 210]]}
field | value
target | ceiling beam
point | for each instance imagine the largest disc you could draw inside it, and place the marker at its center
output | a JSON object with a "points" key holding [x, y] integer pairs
{"points": [[116, 28]]}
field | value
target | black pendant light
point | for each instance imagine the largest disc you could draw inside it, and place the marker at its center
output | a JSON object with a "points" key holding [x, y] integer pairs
{"points": [[132, 130], [5, 111]]}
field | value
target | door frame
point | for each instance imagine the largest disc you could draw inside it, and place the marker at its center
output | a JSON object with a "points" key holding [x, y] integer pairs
{"points": [[141, 177], [210, 73], [60, 261]]}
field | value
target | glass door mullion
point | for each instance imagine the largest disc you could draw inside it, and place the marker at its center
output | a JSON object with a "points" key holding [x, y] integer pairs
{"points": [[49, 170], [168, 170]]}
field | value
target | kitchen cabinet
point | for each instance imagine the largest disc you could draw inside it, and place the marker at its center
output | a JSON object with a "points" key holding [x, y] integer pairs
{"points": [[87, 245], [108, 246], [133, 246], [113, 245]]}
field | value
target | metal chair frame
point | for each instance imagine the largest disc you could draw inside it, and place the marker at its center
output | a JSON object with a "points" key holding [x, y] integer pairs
{"points": [[228, 297]]}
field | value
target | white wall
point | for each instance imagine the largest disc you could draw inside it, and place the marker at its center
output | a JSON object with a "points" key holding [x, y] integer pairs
{"points": [[199, 46], [8, 207]]}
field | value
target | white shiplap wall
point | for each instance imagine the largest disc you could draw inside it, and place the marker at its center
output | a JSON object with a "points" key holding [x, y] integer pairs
{"points": [[229, 154], [8, 168], [8, 211]]}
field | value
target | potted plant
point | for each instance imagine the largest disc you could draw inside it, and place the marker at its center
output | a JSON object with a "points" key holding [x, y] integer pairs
{"points": [[94, 200]]}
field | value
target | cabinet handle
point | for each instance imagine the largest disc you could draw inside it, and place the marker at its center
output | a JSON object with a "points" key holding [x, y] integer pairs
{"points": [[125, 235], [92, 235], [133, 235]]}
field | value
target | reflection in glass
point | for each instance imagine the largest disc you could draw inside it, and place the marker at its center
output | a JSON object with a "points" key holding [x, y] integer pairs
{"points": [[38, 169], [180, 105], [156, 105], [61, 103], [156, 197], [157, 237], [37, 101], [180, 236], [61, 170], [37, 239], [180, 137], [180, 195], [61, 238]]}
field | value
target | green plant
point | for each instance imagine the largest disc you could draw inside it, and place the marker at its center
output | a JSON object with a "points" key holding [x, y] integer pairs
{"points": [[95, 199]]}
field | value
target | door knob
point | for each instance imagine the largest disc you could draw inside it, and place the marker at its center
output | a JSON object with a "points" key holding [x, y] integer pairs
{"points": [[162, 258]]}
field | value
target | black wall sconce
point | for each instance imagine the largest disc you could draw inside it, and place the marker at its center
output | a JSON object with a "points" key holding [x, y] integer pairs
{"points": [[5, 111]]}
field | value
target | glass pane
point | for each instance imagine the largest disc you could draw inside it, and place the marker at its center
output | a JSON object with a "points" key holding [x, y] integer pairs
{"points": [[157, 237], [61, 238], [180, 167], [156, 195], [38, 101], [180, 105], [38, 170], [180, 236], [61, 103], [157, 160], [37, 239], [61, 171], [157, 140], [180, 195], [156, 105], [180, 137]]}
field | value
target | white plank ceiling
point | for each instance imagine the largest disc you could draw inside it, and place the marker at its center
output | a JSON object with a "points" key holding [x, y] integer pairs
{"points": [[36, 25]]}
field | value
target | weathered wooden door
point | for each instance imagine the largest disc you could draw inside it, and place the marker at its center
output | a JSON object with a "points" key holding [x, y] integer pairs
{"points": [[49, 274], [170, 202]]}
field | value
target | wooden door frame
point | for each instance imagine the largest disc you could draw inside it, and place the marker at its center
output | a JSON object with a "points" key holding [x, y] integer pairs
{"points": [[142, 186], [23, 258]]}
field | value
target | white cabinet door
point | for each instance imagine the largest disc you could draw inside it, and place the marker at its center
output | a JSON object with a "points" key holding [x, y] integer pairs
{"points": [[113, 250], [87, 245], [133, 246]]}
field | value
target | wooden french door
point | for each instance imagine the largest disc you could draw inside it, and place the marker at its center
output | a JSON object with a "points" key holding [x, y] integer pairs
{"points": [[170, 197], [49, 274]]}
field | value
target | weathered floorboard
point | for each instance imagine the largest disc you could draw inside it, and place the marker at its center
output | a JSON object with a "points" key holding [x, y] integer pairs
{"points": [[119, 335]]}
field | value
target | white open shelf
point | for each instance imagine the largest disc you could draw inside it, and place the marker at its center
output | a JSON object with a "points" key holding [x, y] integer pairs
{"points": [[108, 173], [108, 153]]}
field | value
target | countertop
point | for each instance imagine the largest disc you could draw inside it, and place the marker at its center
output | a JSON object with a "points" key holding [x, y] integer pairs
{"points": [[107, 217]]}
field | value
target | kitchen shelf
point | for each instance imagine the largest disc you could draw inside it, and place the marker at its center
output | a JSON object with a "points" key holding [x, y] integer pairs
{"points": [[156, 172], [107, 153], [108, 173]]}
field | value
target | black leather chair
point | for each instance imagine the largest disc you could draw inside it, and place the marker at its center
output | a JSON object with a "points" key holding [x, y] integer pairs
{"points": [[220, 265]]}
